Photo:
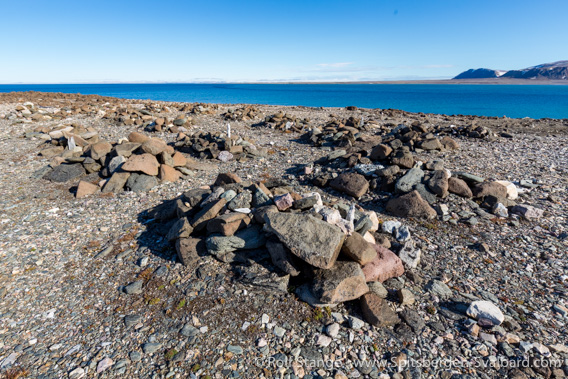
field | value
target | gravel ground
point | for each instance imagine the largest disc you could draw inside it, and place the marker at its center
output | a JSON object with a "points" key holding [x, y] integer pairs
{"points": [[63, 311]]}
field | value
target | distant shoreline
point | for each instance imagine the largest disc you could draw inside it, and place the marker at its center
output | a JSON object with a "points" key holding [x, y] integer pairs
{"points": [[492, 81]]}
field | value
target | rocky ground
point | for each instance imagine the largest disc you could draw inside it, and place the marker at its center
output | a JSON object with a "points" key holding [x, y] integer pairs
{"points": [[70, 305]]}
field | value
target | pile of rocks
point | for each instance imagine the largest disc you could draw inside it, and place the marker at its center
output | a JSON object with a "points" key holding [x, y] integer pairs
{"points": [[417, 189], [329, 249], [217, 145], [284, 122], [246, 113], [135, 164]]}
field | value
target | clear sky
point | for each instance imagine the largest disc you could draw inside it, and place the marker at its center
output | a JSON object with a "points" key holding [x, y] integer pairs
{"points": [[266, 40]]}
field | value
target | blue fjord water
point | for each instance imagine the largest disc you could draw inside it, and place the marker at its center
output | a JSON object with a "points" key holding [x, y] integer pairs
{"points": [[536, 101]]}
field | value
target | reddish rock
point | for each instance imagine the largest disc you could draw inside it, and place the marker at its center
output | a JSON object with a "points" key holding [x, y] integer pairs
{"points": [[438, 183], [228, 224], [489, 189], [116, 182], [380, 152], [168, 174], [377, 312], [154, 146], [386, 265], [358, 249], [50, 152], [146, 163], [100, 149], [449, 143], [227, 178], [207, 213], [180, 229], [351, 184], [86, 189], [179, 159], [459, 187], [342, 282], [283, 202], [137, 137], [410, 205], [189, 249]]}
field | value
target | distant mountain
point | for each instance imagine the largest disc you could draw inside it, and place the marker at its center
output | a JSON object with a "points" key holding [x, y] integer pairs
{"points": [[548, 71]]}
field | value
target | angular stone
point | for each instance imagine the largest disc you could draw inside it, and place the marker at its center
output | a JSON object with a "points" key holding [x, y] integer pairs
{"points": [[449, 143], [528, 212], [283, 202], [413, 319], [459, 187], [179, 159], [100, 149], [51, 152], [351, 184], [126, 149], [65, 172], [438, 183], [116, 182], [409, 180], [207, 213], [137, 137], [116, 163], [410, 205], [180, 229], [134, 288], [410, 255], [259, 213], [195, 196], [189, 249], [227, 178], [282, 258], [168, 174], [403, 159], [242, 200], [315, 241], [141, 182], [388, 171], [358, 249], [85, 189], [146, 163], [380, 152], [249, 238], [343, 282], [228, 224], [305, 202], [489, 188], [512, 191], [260, 199], [431, 144], [377, 311], [439, 289], [484, 309], [386, 265], [154, 146]]}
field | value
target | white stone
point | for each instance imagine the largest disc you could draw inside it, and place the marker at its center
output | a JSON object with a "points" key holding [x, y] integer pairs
{"points": [[323, 340], [512, 192], [390, 226], [500, 210], [332, 330], [487, 310], [369, 238]]}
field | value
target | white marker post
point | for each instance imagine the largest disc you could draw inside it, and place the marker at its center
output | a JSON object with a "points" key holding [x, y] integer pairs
{"points": [[228, 130]]}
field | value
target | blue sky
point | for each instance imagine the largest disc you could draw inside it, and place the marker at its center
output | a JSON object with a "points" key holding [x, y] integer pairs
{"points": [[188, 41]]}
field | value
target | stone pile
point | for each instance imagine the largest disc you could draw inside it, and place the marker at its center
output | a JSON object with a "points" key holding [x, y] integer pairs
{"points": [[328, 249], [417, 189], [217, 145], [246, 113], [284, 122], [137, 163], [348, 136], [31, 112]]}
